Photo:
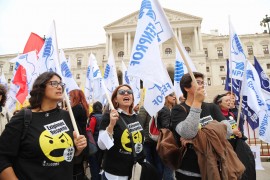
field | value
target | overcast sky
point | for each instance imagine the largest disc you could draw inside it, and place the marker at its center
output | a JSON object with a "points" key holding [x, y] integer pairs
{"points": [[80, 22]]}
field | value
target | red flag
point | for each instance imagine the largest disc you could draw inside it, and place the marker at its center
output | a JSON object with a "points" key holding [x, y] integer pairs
{"points": [[35, 42]]}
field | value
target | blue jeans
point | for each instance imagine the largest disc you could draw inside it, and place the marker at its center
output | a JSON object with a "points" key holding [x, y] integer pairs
{"points": [[152, 157], [168, 173]]}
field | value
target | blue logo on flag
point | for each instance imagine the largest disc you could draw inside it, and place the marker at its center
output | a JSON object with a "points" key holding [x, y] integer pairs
{"points": [[126, 78], [236, 45], [95, 73], [179, 71], [250, 75], [65, 70], [107, 71]]}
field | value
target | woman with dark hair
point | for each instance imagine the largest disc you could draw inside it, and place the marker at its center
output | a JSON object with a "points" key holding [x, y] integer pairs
{"points": [[4, 115], [95, 160], [80, 111], [114, 136], [45, 147], [237, 139]]}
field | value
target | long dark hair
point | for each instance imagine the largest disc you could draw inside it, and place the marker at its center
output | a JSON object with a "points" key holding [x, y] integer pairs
{"points": [[38, 90], [3, 92], [114, 94]]}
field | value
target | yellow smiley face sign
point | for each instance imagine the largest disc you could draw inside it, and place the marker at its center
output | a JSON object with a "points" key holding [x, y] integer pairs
{"points": [[125, 141], [57, 148]]}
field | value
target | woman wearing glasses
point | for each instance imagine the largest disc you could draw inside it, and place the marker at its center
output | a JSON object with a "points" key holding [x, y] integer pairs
{"points": [[43, 149], [114, 136]]}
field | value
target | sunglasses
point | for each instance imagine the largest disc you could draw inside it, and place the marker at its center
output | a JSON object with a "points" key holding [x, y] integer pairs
{"points": [[122, 91], [172, 95], [56, 84]]}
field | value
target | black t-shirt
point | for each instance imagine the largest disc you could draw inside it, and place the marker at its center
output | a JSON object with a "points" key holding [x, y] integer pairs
{"points": [[179, 114], [118, 160], [47, 150]]}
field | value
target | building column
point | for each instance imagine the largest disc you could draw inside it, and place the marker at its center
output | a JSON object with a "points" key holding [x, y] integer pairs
{"points": [[110, 45], [128, 44], [161, 50], [196, 39], [179, 34], [107, 46], [200, 39], [125, 44]]}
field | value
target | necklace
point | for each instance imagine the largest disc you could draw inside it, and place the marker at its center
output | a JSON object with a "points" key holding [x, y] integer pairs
{"points": [[47, 113]]}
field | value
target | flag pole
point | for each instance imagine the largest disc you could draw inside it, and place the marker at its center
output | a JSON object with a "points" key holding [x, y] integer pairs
{"points": [[107, 95], [179, 47], [74, 124], [184, 58]]}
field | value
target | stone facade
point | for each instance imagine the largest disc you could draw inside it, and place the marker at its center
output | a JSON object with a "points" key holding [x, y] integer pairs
{"points": [[208, 51]]}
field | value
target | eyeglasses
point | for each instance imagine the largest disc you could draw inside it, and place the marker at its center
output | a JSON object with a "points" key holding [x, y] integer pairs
{"points": [[122, 91], [56, 84], [200, 83]]}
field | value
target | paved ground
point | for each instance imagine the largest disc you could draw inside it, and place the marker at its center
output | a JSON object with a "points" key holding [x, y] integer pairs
{"points": [[261, 174], [264, 174]]}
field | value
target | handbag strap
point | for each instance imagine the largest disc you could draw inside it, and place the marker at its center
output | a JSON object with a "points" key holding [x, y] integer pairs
{"points": [[131, 140]]}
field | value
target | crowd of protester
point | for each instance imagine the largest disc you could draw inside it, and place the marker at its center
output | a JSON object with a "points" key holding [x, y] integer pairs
{"points": [[47, 147]]}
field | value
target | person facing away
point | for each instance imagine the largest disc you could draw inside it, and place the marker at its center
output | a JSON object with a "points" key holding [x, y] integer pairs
{"points": [[95, 160], [80, 110], [185, 122], [47, 150], [4, 114], [114, 136]]}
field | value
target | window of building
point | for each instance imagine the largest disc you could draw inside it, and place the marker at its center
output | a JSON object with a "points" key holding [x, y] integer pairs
{"points": [[78, 76], [11, 67], [268, 66], [209, 81], [250, 50], [221, 68], [188, 49], [168, 51], [223, 80], [9, 80], [207, 69], [120, 54], [79, 62], [205, 52], [265, 49], [220, 52]]}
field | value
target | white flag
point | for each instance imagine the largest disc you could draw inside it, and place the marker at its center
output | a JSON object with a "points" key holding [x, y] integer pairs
{"points": [[145, 63], [48, 55], [66, 73], [237, 56], [3, 80], [30, 63], [264, 127], [94, 90], [181, 69], [110, 75], [125, 78]]}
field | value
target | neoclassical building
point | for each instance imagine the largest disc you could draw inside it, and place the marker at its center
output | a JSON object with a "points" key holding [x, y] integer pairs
{"points": [[208, 51]]}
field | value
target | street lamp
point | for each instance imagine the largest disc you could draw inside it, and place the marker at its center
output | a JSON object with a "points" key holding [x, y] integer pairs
{"points": [[265, 21]]}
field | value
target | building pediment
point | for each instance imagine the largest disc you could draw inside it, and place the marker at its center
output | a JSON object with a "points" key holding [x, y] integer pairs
{"points": [[173, 17]]}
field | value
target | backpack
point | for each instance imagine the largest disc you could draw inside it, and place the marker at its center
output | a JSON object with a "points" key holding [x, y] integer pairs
{"points": [[168, 150], [27, 121], [153, 129]]}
